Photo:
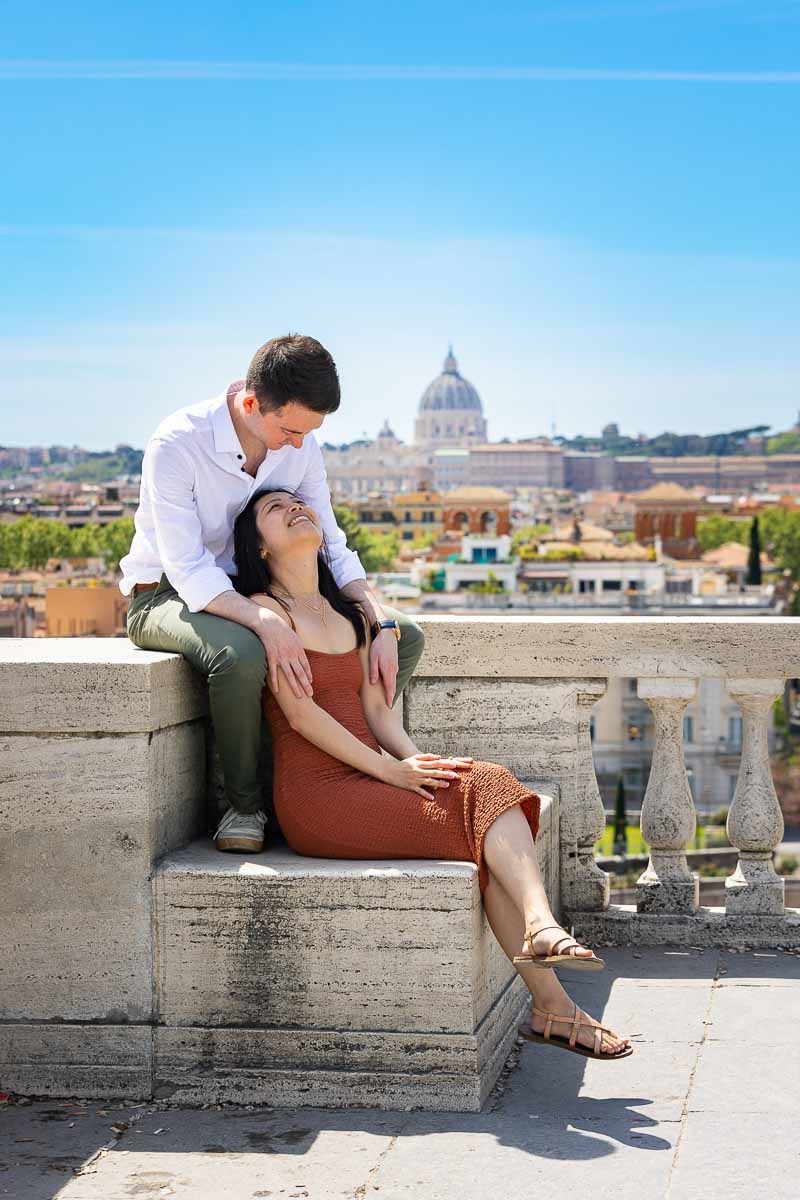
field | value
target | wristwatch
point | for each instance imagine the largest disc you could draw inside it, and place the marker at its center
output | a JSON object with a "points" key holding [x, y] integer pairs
{"points": [[377, 626]]}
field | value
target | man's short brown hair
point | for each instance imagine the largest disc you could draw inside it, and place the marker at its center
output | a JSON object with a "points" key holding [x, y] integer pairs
{"points": [[294, 368]]}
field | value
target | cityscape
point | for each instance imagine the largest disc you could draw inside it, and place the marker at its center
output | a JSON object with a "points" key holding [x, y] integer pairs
{"points": [[456, 523]]}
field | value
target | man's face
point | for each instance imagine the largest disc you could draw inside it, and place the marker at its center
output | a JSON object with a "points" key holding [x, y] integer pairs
{"points": [[285, 426]]}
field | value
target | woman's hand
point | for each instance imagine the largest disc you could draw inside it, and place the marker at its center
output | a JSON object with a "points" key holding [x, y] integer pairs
{"points": [[424, 771]]}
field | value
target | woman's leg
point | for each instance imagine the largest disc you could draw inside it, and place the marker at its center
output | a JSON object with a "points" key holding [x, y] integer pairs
{"points": [[544, 985], [509, 852]]}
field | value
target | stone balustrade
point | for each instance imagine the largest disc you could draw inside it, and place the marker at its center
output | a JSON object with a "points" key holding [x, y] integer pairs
{"points": [[138, 961], [520, 690]]}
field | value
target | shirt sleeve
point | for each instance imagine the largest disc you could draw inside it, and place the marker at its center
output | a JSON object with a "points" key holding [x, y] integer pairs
{"points": [[168, 484], [313, 488]]}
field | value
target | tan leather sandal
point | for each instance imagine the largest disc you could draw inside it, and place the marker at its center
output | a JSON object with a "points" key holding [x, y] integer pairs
{"points": [[579, 962], [571, 1043]]}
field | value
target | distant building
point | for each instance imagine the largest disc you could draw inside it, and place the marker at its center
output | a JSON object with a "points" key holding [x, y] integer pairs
{"points": [[450, 412], [17, 618], [386, 465], [85, 611], [668, 512], [588, 471], [533, 463], [411, 514]]}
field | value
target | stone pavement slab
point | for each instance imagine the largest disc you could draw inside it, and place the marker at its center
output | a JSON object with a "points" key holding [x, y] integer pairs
{"points": [[699, 1109], [735, 1159]]}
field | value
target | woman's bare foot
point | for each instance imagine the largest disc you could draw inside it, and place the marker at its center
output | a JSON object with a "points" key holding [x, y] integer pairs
{"points": [[610, 1043], [549, 937]]}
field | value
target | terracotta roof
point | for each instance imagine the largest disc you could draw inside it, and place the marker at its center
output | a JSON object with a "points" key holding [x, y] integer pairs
{"points": [[465, 494], [665, 491], [589, 533], [733, 555]]}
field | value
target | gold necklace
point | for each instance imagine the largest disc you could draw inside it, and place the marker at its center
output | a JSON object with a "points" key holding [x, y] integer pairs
{"points": [[318, 609]]}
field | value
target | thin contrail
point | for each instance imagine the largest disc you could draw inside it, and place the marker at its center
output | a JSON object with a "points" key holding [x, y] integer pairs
{"points": [[166, 69]]}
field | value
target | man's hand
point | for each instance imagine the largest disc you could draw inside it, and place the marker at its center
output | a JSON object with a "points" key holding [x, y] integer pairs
{"points": [[383, 663], [284, 652]]}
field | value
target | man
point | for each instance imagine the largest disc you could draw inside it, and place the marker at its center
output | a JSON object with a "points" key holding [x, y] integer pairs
{"points": [[200, 467]]}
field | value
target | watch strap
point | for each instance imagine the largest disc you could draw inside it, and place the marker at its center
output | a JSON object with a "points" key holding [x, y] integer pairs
{"points": [[377, 626]]}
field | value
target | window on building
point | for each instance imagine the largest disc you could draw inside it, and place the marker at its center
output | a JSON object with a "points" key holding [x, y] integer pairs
{"points": [[366, 514], [387, 516], [735, 727], [408, 535], [632, 686], [408, 516], [612, 585], [591, 728], [688, 729]]}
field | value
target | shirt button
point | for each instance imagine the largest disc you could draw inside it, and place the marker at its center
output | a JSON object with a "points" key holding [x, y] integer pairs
{"points": [[240, 456]]}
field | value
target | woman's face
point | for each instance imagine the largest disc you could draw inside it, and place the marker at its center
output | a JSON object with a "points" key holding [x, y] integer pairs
{"points": [[284, 523]]}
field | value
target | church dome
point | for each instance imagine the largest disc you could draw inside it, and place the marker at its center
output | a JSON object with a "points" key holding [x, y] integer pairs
{"points": [[450, 391]]}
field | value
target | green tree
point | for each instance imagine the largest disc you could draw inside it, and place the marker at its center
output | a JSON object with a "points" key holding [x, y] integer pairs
{"points": [[38, 542], [377, 551], [754, 560], [491, 585], [85, 542], [528, 536], [780, 530], [716, 530], [784, 443], [424, 541], [115, 540]]}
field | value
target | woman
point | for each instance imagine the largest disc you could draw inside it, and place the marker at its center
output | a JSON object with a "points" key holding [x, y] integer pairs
{"points": [[337, 796]]}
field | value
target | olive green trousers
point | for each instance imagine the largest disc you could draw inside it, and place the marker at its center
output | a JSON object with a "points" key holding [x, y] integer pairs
{"points": [[233, 660]]}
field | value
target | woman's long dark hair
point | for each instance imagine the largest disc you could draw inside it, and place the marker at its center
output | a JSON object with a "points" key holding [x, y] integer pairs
{"points": [[253, 572]]}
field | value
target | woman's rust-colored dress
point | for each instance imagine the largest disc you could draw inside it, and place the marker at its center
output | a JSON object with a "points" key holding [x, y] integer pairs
{"points": [[328, 809]]}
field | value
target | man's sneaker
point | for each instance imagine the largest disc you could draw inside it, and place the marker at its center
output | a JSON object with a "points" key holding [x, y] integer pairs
{"points": [[241, 831]]}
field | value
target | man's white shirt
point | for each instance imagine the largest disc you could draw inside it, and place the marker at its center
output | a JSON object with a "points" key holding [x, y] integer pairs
{"points": [[194, 486]]}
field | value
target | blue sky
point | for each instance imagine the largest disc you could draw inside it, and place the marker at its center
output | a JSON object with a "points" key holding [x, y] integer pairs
{"points": [[595, 202]]}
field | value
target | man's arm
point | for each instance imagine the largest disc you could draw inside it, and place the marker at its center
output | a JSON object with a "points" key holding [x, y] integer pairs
{"points": [[168, 481]]}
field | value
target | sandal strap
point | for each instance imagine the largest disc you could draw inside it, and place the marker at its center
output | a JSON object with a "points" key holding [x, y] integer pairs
{"points": [[576, 1023], [530, 934]]}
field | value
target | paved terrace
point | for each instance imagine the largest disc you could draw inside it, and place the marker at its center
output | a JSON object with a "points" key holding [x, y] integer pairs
{"points": [[705, 1107]]}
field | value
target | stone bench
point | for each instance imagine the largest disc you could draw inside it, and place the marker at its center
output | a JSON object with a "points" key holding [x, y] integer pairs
{"points": [[139, 961]]}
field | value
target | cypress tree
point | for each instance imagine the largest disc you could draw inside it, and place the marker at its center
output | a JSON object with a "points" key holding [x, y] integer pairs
{"points": [[753, 577], [620, 820]]}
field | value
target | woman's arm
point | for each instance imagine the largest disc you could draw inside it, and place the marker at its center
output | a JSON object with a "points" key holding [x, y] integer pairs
{"points": [[385, 722]]}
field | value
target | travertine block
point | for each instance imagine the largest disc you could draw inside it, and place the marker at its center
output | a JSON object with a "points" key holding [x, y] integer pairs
{"points": [[94, 685], [82, 820], [77, 1060], [530, 726], [323, 981]]}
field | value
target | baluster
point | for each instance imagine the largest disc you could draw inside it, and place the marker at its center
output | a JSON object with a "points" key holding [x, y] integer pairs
{"points": [[584, 887], [668, 817], [755, 820]]}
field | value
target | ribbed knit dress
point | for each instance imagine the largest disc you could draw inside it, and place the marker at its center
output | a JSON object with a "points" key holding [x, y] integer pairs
{"points": [[328, 809]]}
